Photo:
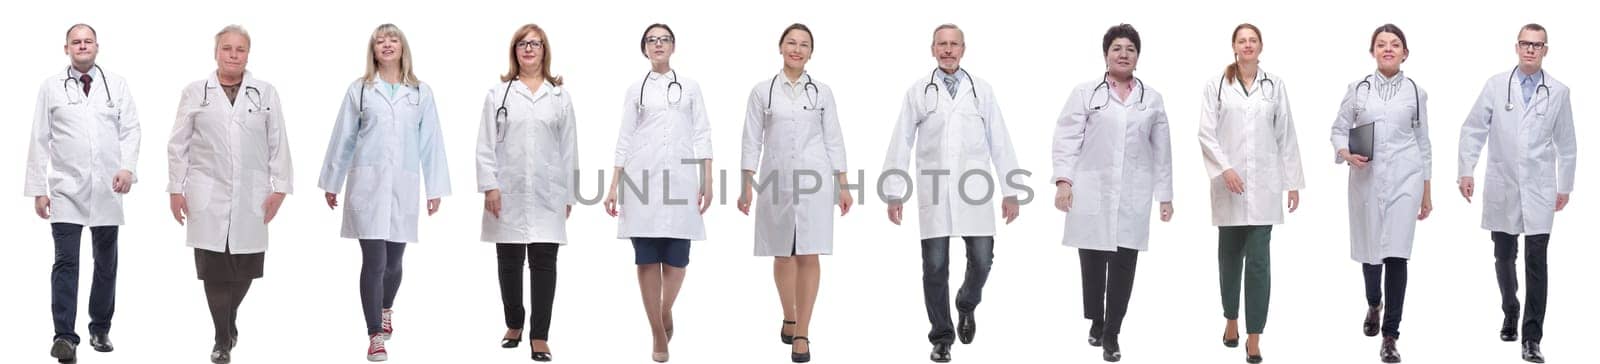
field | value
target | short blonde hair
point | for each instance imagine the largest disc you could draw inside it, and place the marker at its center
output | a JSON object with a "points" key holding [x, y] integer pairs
{"points": [[235, 29], [407, 77]]}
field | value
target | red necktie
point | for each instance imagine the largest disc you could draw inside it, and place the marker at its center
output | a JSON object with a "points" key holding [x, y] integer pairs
{"points": [[85, 80]]}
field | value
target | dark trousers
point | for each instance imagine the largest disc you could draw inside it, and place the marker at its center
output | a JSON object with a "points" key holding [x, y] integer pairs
{"points": [[1392, 285], [541, 260], [223, 298], [1505, 269], [1107, 286], [1246, 251], [64, 279], [380, 279], [936, 282]]}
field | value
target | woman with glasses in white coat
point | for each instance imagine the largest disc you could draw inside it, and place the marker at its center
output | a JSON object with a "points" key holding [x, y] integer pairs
{"points": [[229, 171], [663, 155], [527, 152], [1112, 155], [791, 136], [1381, 132], [386, 141], [1253, 160]]}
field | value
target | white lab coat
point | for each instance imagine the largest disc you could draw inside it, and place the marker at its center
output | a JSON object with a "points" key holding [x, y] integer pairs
{"points": [[1117, 159], [1386, 196], [530, 156], [796, 146], [960, 135], [652, 145], [79, 144], [1253, 135], [386, 154], [1532, 157], [226, 158]]}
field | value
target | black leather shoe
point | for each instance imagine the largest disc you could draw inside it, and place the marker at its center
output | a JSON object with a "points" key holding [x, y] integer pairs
{"points": [[1531, 352], [1112, 351], [806, 356], [219, 355], [64, 351], [786, 338], [1252, 359], [967, 328], [541, 356], [1389, 354], [1369, 327], [1508, 329], [100, 342], [510, 343], [941, 353], [1232, 343], [1095, 330]]}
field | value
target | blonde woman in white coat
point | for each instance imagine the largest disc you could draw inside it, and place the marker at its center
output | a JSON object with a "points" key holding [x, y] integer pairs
{"points": [[386, 140], [1389, 190], [663, 155], [1112, 155], [792, 142], [1253, 160], [229, 171], [527, 152]]}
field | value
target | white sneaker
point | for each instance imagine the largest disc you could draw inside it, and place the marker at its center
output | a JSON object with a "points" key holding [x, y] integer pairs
{"points": [[388, 326], [375, 350]]}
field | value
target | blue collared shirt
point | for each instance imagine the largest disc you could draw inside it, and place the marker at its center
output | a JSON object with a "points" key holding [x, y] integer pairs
{"points": [[1530, 84]]}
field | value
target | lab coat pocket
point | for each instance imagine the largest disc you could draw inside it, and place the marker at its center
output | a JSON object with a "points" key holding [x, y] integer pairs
{"points": [[409, 191], [975, 134], [197, 194], [361, 189], [257, 193], [1086, 195]]}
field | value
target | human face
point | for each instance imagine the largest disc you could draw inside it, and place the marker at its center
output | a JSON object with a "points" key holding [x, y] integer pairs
{"points": [[796, 49], [1531, 49], [233, 53], [82, 47], [387, 48], [1390, 52], [659, 45], [949, 45], [1247, 45], [530, 52], [1122, 57]]}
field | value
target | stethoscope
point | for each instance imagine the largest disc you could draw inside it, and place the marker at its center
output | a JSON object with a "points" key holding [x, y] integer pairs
{"points": [[1536, 90], [672, 98], [1105, 83], [362, 101], [501, 114], [1264, 83], [930, 92], [104, 81], [1416, 99], [250, 92], [809, 89]]}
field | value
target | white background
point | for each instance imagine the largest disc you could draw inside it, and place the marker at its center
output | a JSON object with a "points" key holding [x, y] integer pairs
{"points": [[870, 308]]}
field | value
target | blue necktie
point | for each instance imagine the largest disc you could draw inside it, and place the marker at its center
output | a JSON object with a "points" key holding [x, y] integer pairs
{"points": [[950, 85], [1528, 89]]}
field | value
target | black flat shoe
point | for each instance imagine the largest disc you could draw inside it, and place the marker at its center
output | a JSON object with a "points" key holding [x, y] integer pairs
{"points": [[1389, 354], [1252, 359], [941, 353], [967, 328], [1112, 350], [1369, 327], [801, 357], [510, 343], [1508, 329], [100, 342], [540, 356], [64, 351], [220, 355], [1095, 329], [786, 338], [1232, 343], [1531, 352]]}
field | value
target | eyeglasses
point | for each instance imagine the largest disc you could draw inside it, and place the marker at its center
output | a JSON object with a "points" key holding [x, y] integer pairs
{"points": [[530, 44], [1538, 46], [666, 39]]}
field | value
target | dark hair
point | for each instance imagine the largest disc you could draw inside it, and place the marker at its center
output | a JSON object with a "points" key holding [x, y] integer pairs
{"points": [[646, 36], [800, 27], [1537, 28], [1120, 31], [1232, 72], [91, 30], [1391, 29]]}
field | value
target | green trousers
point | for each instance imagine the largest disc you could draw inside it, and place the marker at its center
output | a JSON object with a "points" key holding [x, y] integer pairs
{"points": [[1245, 250]]}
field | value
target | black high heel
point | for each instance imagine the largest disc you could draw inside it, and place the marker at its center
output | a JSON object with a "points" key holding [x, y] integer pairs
{"points": [[1232, 343], [510, 343], [786, 338], [801, 357]]}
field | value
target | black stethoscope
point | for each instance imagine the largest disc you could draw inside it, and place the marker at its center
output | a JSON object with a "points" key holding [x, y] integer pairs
{"points": [[1542, 87], [1105, 83], [809, 89], [1265, 81], [1416, 99], [932, 88], [250, 92], [502, 113], [362, 102], [671, 100], [85, 97]]}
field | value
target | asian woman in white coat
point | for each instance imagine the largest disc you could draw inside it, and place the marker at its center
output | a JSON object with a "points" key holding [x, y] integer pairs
{"points": [[663, 155], [1253, 159], [1112, 155], [228, 172], [794, 149], [385, 141], [1389, 189], [1525, 117], [527, 152]]}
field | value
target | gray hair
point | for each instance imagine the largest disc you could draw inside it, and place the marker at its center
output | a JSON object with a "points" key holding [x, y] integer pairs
{"points": [[950, 26], [235, 29]]}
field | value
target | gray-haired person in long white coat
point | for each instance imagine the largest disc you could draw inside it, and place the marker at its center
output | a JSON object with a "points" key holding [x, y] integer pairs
{"points": [[794, 147], [1112, 155], [1525, 117], [1390, 173]]}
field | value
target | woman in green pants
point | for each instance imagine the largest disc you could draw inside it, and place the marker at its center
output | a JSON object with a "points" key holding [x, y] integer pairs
{"points": [[1247, 136]]}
